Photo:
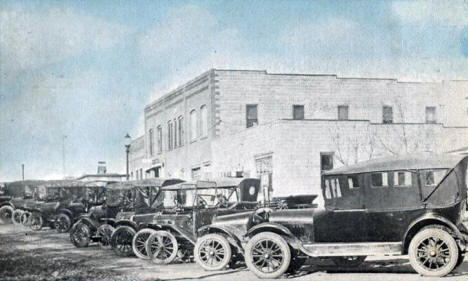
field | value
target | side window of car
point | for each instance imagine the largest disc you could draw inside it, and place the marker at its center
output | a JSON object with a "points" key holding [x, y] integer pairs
{"points": [[379, 179], [433, 177], [402, 179], [328, 194], [335, 184], [353, 182]]}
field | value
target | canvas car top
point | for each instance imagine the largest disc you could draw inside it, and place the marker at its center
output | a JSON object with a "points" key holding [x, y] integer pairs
{"points": [[409, 162], [215, 183], [62, 183], [142, 183]]}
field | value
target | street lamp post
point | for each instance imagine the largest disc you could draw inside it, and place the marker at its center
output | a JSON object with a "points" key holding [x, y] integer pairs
{"points": [[128, 140]]}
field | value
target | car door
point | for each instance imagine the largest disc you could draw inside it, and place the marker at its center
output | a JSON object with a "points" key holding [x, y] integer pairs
{"points": [[344, 217], [393, 202]]}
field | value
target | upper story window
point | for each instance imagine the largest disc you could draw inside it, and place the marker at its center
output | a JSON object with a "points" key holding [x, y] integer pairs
{"points": [[431, 114], [203, 121], [181, 130], [326, 161], [159, 132], [193, 125], [151, 142], [170, 135], [176, 133], [343, 112], [251, 115], [298, 112], [387, 115]]}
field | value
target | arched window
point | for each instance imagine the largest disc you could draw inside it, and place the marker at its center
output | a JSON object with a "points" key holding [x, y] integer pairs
{"points": [[193, 125], [203, 121]]}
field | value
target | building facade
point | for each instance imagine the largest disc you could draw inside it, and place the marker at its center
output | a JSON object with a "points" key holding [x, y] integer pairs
{"points": [[290, 127]]}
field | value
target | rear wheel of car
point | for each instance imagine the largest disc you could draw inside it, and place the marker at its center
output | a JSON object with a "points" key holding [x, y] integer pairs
{"points": [[138, 242], [62, 223], [6, 213], [80, 235], [162, 247], [25, 218], [348, 261], [36, 221], [433, 252], [121, 241], [104, 232], [16, 217], [267, 255], [212, 252]]}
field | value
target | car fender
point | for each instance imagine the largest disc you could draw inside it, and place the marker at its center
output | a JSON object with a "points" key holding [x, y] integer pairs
{"points": [[278, 229], [126, 223], [110, 221], [66, 212], [234, 240], [89, 222], [7, 203], [428, 219]]}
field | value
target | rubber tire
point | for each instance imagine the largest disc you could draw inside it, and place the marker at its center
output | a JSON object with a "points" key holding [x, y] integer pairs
{"points": [[345, 263], [66, 219], [7, 210], [16, 216], [40, 221], [224, 244], [175, 250], [127, 250], [280, 242], [441, 233], [25, 218], [461, 258], [139, 254], [106, 231], [80, 226]]}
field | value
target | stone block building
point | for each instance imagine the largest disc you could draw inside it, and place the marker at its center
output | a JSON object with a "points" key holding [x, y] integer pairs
{"points": [[293, 126]]}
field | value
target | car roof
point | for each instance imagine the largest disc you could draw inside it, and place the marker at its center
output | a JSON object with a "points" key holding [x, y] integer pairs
{"points": [[408, 162], [142, 183], [206, 184]]}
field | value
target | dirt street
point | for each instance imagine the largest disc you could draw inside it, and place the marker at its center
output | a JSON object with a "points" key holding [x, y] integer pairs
{"points": [[47, 255]]}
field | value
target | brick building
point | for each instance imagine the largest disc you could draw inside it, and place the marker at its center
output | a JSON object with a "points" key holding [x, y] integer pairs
{"points": [[292, 126]]}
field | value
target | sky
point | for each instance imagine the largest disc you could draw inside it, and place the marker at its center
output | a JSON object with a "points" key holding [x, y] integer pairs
{"points": [[75, 75]]}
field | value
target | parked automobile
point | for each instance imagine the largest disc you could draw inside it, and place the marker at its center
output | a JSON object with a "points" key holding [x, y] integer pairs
{"points": [[393, 206], [59, 203], [123, 200], [12, 198], [220, 244], [189, 206]]}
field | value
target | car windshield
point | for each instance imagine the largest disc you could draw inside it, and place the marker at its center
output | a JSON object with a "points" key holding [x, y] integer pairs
{"points": [[210, 197]]}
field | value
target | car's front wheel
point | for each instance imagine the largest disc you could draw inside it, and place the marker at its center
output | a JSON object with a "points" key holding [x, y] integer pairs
{"points": [[162, 247], [16, 217], [6, 213], [80, 235], [63, 223], [104, 232], [139, 241], [433, 252], [25, 218], [121, 241], [267, 255], [36, 222], [212, 252]]}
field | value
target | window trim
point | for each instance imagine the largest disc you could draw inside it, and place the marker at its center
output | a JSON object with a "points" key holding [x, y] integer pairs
{"points": [[247, 106], [151, 141], [203, 121]]}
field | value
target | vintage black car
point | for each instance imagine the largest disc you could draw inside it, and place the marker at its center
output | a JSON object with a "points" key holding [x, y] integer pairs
{"points": [[123, 200], [393, 206], [219, 244], [14, 195], [59, 203], [187, 207]]}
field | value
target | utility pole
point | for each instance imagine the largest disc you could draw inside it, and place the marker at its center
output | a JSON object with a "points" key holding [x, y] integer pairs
{"points": [[22, 171], [63, 155]]}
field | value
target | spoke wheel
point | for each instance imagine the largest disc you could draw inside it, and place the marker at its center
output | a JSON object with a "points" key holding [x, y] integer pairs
{"points": [[36, 221], [25, 218], [162, 247], [433, 252], [6, 213], [138, 243], [348, 261], [104, 232], [62, 223], [16, 217], [80, 235], [213, 252], [267, 255], [121, 241]]}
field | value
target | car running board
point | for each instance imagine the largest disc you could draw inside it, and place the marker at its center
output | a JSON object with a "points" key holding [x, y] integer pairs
{"points": [[352, 249]]}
